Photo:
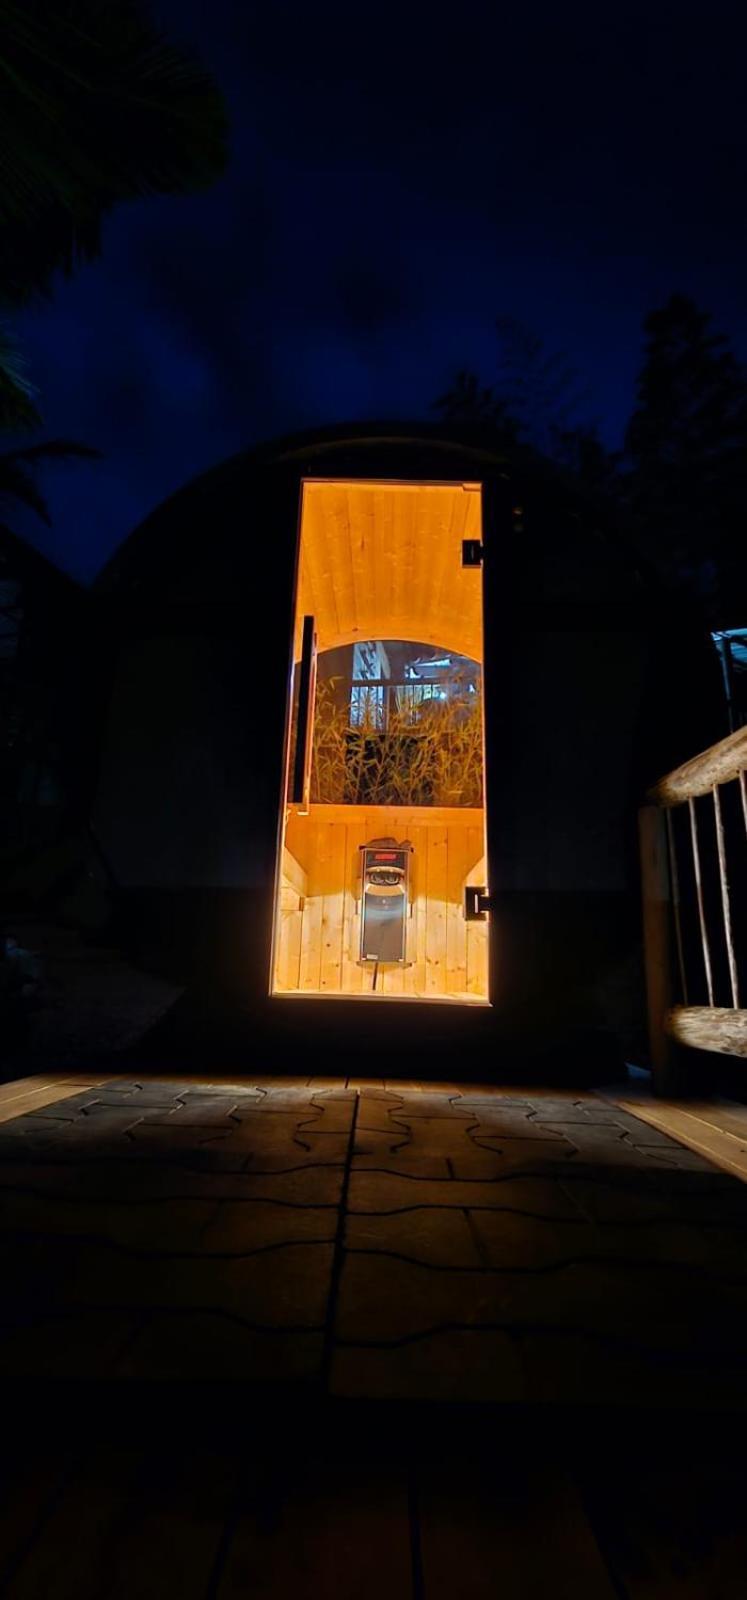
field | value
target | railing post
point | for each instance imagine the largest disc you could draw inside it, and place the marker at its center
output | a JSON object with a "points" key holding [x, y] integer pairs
{"points": [[657, 944]]}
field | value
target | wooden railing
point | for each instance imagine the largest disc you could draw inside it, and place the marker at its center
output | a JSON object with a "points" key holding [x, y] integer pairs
{"points": [[693, 838]]}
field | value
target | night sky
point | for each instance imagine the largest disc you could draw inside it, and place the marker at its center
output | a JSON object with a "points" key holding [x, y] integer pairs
{"points": [[396, 182]]}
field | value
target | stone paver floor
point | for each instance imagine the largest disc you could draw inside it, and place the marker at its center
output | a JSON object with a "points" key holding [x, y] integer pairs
{"points": [[371, 1239], [264, 1292]]}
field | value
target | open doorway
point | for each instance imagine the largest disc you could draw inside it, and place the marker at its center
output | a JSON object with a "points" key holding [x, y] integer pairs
{"points": [[383, 824]]}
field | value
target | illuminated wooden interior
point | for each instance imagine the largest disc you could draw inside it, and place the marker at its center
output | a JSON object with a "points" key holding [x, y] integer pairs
{"points": [[383, 561]]}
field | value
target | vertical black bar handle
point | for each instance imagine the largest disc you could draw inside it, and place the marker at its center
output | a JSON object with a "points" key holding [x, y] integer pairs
{"points": [[305, 723]]}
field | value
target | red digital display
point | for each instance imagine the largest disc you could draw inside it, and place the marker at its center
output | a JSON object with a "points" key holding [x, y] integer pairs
{"points": [[385, 855]]}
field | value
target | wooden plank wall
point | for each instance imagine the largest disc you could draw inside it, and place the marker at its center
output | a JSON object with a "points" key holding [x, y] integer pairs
{"points": [[318, 940], [384, 561]]}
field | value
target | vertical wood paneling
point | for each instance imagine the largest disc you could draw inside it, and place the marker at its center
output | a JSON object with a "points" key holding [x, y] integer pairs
{"points": [[309, 598], [352, 972], [477, 932], [288, 956], [316, 593], [440, 535], [456, 926], [339, 536], [384, 561], [435, 935], [361, 515], [379, 570], [311, 932], [415, 975], [333, 901], [289, 923]]}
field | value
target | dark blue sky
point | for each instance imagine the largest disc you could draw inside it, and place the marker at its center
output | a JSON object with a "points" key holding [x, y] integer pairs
{"points": [[399, 177]]}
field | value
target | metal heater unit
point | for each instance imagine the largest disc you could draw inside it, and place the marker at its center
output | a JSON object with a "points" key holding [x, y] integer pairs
{"points": [[385, 893]]}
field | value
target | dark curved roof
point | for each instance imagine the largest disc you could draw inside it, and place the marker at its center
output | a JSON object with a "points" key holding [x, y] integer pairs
{"points": [[471, 445]]}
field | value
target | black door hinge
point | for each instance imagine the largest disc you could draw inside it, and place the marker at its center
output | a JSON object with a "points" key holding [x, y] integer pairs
{"points": [[473, 552], [477, 902]]}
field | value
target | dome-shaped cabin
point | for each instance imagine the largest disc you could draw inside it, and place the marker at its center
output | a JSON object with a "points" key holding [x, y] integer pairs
{"points": [[383, 704]]}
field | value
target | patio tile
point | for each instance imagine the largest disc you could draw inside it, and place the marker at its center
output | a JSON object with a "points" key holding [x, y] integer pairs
{"points": [[472, 1367], [383, 1300], [65, 1345], [435, 1238], [171, 1212], [204, 1345], [143, 1182], [387, 1191], [286, 1286]]}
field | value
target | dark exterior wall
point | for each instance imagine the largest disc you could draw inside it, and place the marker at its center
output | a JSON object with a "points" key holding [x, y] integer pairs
{"points": [[576, 706], [47, 712], [584, 702], [181, 773]]}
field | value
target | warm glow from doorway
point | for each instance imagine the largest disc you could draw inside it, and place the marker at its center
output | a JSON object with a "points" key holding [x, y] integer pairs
{"points": [[395, 749]]}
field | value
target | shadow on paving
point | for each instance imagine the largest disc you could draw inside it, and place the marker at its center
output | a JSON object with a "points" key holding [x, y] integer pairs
{"points": [[371, 1338], [195, 1496], [208, 1024]]}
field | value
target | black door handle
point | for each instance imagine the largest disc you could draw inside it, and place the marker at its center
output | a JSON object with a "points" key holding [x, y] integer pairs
{"points": [[305, 722]]}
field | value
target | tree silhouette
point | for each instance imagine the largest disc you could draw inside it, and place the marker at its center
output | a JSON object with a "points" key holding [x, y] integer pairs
{"points": [[18, 485], [582, 452], [470, 401], [96, 108], [686, 447], [682, 478], [539, 387], [17, 396], [534, 399]]}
